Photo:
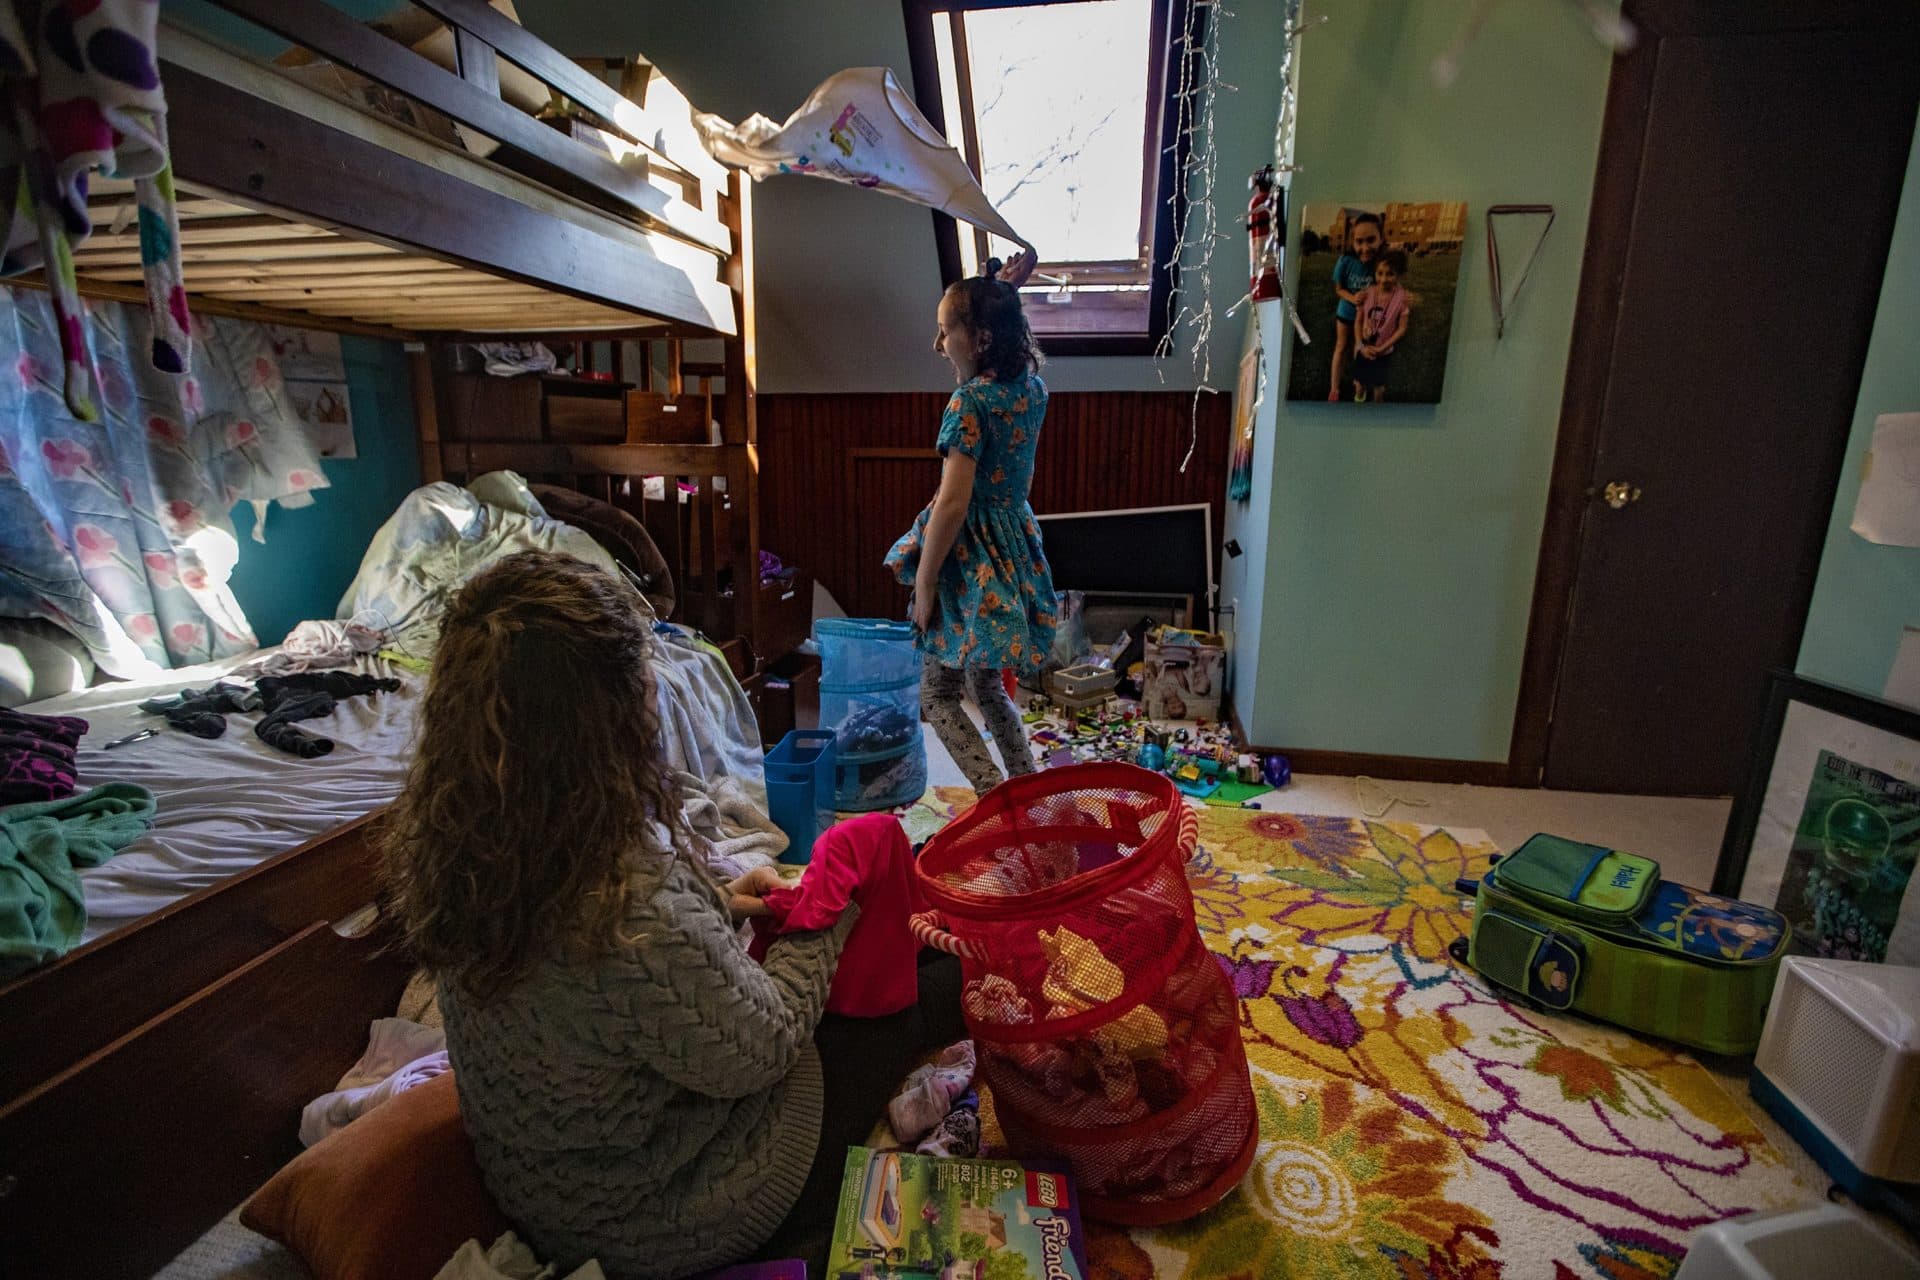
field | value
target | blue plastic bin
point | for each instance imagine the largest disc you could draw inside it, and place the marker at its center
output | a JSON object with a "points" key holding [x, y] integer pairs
{"points": [[800, 783], [870, 698]]}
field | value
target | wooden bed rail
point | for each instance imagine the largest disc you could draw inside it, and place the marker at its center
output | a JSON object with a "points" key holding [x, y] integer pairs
{"points": [[60, 1013], [113, 1166], [472, 97]]}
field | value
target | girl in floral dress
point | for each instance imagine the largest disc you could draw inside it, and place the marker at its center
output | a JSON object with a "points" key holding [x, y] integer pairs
{"points": [[983, 598]]}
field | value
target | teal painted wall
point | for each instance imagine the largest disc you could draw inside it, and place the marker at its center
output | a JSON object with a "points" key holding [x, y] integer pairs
{"points": [[1401, 541], [1867, 593], [1242, 577], [848, 280], [311, 554]]}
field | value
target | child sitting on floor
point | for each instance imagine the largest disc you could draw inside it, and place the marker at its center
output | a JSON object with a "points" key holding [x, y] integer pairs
{"points": [[636, 1088]]}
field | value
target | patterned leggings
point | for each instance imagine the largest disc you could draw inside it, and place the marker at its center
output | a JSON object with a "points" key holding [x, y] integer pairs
{"points": [[941, 689]]}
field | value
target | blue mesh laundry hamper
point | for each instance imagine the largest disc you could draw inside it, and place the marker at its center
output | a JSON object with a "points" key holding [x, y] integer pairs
{"points": [[870, 698]]}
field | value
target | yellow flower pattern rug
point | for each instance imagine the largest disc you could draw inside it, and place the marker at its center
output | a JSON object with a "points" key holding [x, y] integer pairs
{"points": [[1414, 1124]]}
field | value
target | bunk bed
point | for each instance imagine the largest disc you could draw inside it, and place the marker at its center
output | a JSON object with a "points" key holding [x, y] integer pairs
{"points": [[152, 1078]]}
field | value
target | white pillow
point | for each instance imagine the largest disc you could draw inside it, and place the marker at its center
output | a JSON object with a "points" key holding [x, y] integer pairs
{"points": [[40, 660]]}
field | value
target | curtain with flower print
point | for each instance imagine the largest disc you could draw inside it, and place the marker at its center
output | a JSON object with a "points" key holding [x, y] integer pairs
{"points": [[119, 530]]}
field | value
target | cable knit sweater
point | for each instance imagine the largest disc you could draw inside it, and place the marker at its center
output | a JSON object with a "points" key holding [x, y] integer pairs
{"points": [[655, 1108]]}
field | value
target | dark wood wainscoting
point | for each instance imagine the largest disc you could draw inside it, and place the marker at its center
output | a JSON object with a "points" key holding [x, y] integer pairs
{"points": [[843, 476]]}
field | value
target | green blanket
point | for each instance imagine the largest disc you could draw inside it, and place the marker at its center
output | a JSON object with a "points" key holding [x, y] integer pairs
{"points": [[42, 848]]}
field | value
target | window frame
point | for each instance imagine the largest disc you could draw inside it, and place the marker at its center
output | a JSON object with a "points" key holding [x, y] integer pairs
{"points": [[1163, 197]]}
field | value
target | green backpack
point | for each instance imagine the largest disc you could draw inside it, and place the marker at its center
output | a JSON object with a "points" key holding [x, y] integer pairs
{"points": [[1597, 931]]}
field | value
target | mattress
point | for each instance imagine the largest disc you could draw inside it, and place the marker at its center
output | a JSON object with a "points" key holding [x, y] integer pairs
{"points": [[227, 804]]}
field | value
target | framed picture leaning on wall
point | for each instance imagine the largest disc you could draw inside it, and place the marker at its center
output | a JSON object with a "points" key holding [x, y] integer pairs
{"points": [[1827, 826]]}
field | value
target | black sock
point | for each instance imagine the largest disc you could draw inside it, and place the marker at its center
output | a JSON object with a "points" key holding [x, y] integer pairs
{"points": [[277, 729]]}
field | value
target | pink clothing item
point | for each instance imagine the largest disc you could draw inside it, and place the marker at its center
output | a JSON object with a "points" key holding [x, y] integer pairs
{"points": [[865, 860], [1380, 312]]}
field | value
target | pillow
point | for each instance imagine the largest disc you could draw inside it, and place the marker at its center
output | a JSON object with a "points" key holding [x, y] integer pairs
{"points": [[40, 660], [390, 1197]]}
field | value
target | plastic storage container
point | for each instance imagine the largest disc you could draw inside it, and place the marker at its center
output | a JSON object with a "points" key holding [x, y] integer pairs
{"points": [[800, 783], [1105, 1029], [870, 699]]}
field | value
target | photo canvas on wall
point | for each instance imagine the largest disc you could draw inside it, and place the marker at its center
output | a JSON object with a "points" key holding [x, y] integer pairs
{"points": [[1376, 292]]}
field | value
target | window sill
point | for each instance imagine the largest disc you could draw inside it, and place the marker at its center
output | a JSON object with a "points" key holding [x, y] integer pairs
{"points": [[1095, 322], [1097, 344]]}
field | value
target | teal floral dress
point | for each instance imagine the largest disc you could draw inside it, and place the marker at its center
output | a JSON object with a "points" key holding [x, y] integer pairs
{"points": [[997, 606]]}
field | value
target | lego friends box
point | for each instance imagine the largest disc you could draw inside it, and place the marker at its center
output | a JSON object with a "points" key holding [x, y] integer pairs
{"points": [[924, 1218]]}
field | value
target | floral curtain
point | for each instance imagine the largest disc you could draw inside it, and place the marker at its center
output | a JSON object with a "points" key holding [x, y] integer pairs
{"points": [[118, 530]]}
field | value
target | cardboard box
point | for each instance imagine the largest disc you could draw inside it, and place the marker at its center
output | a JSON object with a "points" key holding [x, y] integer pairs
{"points": [[1186, 674]]}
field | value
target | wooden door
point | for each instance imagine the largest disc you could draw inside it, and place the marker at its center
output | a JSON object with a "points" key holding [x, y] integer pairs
{"points": [[1750, 169]]}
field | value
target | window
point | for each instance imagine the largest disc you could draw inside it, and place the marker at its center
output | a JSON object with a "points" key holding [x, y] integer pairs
{"points": [[1060, 108]]}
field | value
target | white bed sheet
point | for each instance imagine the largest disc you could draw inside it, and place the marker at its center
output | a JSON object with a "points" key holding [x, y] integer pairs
{"points": [[229, 803]]}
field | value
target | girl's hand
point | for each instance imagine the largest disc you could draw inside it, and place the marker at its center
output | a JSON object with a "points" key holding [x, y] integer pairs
{"points": [[745, 894], [1015, 270], [926, 601]]}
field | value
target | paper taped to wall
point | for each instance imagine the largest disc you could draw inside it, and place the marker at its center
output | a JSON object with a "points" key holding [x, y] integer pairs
{"points": [[1888, 509], [860, 127]]}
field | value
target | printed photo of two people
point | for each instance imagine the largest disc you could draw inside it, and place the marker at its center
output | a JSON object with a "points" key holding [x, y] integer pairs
{"points": [[1376, 293]]}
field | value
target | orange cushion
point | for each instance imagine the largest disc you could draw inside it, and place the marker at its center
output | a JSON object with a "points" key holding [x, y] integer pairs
{"points": [[389, 1197]]}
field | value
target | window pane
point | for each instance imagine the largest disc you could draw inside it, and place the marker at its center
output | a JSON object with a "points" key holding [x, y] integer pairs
{"points": [[1060, 97]]}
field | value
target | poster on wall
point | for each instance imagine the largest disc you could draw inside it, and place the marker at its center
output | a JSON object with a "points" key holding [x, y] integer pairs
{"points": [[315, 376], [1377, 285]]}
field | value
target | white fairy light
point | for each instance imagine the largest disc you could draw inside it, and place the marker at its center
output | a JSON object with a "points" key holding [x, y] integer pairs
{"points": [[1199, 89]]}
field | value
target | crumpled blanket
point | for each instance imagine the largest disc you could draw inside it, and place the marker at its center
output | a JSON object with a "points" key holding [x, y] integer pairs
{"points": [[707, 724], [508, 1259], [735, 830], [442, 535], [400, 1054], [319, 644], [43, 911]]}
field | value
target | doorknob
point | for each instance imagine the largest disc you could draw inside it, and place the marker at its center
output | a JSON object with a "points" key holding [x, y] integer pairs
{"points": [[1619, 493]]}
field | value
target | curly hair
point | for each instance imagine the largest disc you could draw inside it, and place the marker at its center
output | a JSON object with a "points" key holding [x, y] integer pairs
{"points": [[536, 792], [988, 305]]}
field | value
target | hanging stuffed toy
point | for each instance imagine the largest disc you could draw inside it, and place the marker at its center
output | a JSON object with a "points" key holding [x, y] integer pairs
{"points": [[860, 127]]}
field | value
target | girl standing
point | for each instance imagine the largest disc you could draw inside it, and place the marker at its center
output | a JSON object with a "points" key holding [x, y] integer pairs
{"points": [[983, 597]]}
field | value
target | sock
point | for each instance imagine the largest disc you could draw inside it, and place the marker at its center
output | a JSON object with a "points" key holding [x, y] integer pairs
{"points": [[201, 724], [277, 729], [337, 684], [930, 1092], [959, 1131], [202, 712]]}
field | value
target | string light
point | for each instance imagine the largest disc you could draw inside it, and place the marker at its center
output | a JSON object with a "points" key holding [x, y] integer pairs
{"points": [[1199, 91]]}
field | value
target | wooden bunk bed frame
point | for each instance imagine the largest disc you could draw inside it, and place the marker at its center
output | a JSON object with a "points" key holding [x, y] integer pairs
{"points": [[150, 1080]]}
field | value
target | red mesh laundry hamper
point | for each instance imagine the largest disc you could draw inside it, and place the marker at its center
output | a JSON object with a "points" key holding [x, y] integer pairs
{"points": [[1105, 1029]]}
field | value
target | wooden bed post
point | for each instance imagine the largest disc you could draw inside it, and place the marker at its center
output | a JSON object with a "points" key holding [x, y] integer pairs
{"points": [[740, 429], [426, 413]]}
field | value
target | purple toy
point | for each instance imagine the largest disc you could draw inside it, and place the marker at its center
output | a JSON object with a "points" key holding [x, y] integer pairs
{"points": [[1277, 771]]}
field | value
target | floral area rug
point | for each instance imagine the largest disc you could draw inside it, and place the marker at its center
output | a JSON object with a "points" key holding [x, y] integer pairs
{"points": [[1414, 1124]]}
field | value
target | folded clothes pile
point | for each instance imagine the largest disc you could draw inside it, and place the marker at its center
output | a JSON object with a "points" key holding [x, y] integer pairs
{"points": [[37, 756]]}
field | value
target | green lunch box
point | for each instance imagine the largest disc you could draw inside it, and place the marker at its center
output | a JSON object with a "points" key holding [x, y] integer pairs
{"points": [[1597, 931]]}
